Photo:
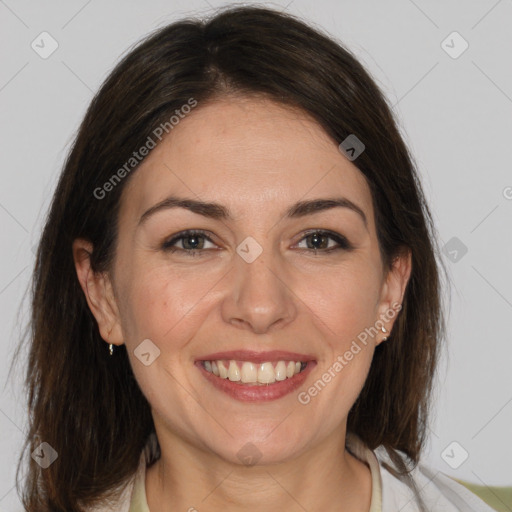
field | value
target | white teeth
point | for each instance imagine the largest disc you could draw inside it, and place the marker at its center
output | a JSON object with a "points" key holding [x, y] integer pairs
{"points": [[280, 370], [266, 373], [251, 373], [223, 371], [233, 372]]}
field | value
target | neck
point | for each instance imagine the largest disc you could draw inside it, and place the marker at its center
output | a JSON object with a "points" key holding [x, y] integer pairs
{"points": [[325, 478]]}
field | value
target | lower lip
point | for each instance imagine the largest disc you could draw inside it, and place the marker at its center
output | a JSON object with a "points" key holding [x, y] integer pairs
{"points": [[261, 393]]}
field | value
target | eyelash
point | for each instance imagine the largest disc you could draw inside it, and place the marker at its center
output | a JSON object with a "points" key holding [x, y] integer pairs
{"points": [[168, 245]]}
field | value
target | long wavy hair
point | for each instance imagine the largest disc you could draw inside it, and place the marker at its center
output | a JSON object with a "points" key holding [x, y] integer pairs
{"points": [[88, 405]]}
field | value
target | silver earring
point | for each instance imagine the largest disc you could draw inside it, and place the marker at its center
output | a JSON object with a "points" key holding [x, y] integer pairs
{"points": [[111, 349], [384, 330]]}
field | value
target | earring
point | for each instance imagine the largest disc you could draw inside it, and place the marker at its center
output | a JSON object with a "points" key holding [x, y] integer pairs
{"points": [[111, 349], [384, 330]]}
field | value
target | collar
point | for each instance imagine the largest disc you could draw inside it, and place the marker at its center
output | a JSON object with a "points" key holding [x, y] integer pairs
{"points": [[353, 444]]}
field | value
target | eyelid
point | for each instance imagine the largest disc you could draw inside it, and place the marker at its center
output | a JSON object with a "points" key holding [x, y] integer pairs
{"points": [[168, 244], [341, 241]]}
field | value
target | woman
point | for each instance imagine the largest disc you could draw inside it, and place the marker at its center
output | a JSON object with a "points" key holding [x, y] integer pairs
{"points": [[236, 296]]}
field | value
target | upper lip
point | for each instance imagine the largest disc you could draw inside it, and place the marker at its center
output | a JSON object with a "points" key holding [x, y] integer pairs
{"points": [[257, 357]]}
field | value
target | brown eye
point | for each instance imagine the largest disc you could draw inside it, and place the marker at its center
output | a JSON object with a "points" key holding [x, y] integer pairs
{"points": [[191, 241], [322, 240]]}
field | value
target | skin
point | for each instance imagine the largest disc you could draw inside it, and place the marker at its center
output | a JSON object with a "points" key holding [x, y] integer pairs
{"points": [[256, 158]]}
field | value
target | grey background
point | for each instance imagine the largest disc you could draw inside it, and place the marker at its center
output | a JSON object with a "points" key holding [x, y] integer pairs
{"points": [[455, 114]]}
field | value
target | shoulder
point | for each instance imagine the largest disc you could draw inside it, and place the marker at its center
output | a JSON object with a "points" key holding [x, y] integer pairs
{"points": [[122, 504], [132, 494], [439, 492]]}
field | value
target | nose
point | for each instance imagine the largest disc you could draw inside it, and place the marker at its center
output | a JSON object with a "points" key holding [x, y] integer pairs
{"points": [[258, 297]]}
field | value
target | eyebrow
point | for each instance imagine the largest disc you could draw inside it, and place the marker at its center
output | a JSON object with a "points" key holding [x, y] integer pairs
{"points": [[219, 212]]}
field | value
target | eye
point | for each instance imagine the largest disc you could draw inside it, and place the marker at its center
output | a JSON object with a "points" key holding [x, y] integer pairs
{"points": [[193, 242], [319, 240], [190, 240]]}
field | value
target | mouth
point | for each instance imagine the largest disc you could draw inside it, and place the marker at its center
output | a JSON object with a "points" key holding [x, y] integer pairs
{"points": [[253, 376]]}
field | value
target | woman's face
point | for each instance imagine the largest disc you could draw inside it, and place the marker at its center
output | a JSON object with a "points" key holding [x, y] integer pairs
{"points": [[254, 284]]}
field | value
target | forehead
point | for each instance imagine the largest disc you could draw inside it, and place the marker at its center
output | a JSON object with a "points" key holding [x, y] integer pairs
{"points": [[247, 154]]}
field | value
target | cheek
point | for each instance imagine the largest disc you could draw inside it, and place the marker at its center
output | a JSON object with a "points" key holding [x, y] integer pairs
{"points": [[344, 307], [162, 303], [343, 300], [164, 309]]}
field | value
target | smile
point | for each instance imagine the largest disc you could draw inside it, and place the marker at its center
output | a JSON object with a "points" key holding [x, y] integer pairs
{"points": [[251, 376], [246, 372]]}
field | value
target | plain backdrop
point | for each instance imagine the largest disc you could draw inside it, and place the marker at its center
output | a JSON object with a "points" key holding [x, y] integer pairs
{"points": [[454, 107]]}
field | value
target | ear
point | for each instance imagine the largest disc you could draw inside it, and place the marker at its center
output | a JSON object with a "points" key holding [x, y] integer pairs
{"points": [[393, 291], [99, 293]]}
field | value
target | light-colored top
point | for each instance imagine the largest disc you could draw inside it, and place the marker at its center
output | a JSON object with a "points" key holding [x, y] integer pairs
{"points": [[439, 492]]}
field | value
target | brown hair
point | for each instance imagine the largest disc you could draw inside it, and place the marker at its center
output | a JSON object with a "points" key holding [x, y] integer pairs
{"points": [[87, 405]]}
